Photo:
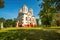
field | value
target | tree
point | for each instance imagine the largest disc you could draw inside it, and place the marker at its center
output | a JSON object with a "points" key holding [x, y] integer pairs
{"points": [[37, 20], [49, 8], [1, 3], [2, 19], [8, 23], [56, 3], [58, 19], [14, 22], [58, 22]]}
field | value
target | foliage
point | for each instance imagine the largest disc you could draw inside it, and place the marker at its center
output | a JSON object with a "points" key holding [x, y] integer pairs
{"points": [[2, 20], [49, 9], [57, 4], [8, 22], [58, 22], [37, 20], [14, 22], [58, 19], [1, 3]]}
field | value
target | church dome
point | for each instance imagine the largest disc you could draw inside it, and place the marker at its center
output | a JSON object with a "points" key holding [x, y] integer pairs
{"points": [[20, 10], [31, 10], [25, 9], [24, 5]]}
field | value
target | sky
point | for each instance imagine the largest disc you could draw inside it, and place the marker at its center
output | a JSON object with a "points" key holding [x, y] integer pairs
{"points": [[11, 8]]}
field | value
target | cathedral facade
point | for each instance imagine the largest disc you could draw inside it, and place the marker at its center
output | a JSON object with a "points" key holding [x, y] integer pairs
{"points": [[26, 17]]}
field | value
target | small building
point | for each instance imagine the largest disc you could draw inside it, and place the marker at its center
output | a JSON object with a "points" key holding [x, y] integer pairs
{"points": [[26, 17]]}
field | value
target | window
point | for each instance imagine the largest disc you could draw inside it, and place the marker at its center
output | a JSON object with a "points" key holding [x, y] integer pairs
{"points": [[26, 18]]}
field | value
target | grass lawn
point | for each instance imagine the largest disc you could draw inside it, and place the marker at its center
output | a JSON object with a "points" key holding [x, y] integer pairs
{"points": [[29, 28], [31, 33]]}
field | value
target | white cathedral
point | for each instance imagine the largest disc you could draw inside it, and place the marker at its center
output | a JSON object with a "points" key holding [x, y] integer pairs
{"points": [[26, 17]]}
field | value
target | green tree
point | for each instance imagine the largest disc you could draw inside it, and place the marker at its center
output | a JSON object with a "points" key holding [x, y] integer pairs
{"points": [[58, 19], [8, 23], [1, 3], [2, 20], [14, 22], [49, 9], [56, 3], [37, 20]]}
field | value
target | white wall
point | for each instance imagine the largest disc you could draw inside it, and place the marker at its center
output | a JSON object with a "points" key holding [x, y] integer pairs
{"points": [[24, 19]]}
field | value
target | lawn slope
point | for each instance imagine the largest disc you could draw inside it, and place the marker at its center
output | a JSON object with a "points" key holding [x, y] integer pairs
{"points": [[29, 34]]}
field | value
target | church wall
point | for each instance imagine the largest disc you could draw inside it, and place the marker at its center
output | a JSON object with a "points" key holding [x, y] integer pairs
{"points": [[25, 17]]}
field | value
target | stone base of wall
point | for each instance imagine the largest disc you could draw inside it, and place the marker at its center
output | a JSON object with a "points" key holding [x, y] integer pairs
{"points": [[26, 25]]}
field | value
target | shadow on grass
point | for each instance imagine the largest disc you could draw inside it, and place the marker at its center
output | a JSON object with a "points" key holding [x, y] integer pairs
{"points": [[29, 35]]}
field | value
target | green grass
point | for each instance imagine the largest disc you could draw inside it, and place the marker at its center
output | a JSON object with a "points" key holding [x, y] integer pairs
{"points": [[31, 33], [29, 28]]}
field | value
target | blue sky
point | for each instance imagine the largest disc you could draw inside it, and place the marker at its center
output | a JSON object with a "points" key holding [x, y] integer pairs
{"points": [[11, 8]]}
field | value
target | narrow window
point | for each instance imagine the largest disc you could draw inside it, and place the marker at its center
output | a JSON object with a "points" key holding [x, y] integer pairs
{"points": [[26, 18]]}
